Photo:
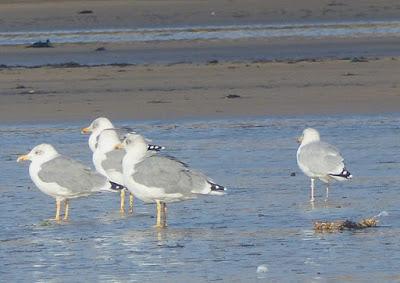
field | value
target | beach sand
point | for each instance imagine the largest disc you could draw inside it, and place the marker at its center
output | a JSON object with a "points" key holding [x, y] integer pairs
{"points": [[199, 90], [159, 88], [36, 15]]}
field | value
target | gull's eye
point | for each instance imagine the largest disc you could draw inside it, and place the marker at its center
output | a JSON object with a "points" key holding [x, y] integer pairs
{"points": [[38, 152], [128, 141], [95, 125]]}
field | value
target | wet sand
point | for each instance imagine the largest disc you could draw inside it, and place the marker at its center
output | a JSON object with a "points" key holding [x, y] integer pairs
{"points": [[201, 51], [199, 90], [65, 15]]}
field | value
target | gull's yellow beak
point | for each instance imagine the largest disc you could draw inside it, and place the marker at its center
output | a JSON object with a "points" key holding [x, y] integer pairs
{"points": [[119, 146], [299, 139], [23, 158], [86, 130]]}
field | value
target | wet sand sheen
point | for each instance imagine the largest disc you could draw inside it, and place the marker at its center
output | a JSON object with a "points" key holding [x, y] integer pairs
{"points": [[199, 90]]}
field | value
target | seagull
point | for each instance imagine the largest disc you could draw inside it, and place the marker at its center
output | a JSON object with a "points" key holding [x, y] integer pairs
{"points": [[108, 162], [161, 179], [106, 159], [62, 177], [320, 160]]}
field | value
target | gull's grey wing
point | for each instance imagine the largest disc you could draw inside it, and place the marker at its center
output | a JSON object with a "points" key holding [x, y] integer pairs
{"points": [[169, 174], [321, 158], [126, 129], [123, 131], [113, 160], [72, 175]]}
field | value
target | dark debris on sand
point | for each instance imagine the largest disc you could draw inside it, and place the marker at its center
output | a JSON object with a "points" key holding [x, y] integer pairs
{"points": [[232, 96], [85, 12], [212, 62], [359, 59], [100, 49], [41, 44]]}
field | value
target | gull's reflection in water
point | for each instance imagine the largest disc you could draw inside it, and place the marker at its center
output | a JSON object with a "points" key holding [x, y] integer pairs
{"points": [[157, 237], [325, 204]]}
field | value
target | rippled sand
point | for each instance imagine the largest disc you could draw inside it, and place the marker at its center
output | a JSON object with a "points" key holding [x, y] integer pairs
{"points": [[265, 219]]}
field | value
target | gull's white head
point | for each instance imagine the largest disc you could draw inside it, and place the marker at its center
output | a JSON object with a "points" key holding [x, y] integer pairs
{"points": [[309, 135], [98, 125], [40, 154], [95, 128], [135, 142]]}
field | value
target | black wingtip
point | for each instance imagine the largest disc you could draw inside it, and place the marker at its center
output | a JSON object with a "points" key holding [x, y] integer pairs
{"points": [[116, 187], [217, 188], [154, 147], [345, 174]]}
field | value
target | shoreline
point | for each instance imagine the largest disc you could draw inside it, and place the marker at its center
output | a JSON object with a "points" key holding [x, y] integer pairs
{"points": [[184, 91], [192, 119], [199, 51], [324, 30], [73, 64]]}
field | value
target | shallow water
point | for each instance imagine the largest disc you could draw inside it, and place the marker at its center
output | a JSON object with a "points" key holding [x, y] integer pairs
{"points": [[265, 219], [307, 30]]}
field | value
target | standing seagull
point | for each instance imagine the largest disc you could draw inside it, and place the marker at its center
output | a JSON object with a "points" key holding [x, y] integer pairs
{"points": [[154, 178], [108, 162], [61, 177], [320, 160], [106, 159]]}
